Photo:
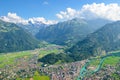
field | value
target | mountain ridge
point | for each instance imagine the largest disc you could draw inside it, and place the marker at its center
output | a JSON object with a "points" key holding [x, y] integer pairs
{"points": [[100, 42], [68, 32], [14, 38]]}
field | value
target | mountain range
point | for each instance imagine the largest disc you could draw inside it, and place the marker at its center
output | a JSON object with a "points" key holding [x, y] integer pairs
{"points": [[100, 42], [32, 28], [69, 32]]}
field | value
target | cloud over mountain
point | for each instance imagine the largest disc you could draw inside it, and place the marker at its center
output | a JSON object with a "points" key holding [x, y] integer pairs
{"points": [[13, 17], [88, 11], [92, 11], [69, 13]]}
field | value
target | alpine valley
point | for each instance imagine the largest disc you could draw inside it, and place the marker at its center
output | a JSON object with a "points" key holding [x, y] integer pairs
{"points": [[77, 45]]}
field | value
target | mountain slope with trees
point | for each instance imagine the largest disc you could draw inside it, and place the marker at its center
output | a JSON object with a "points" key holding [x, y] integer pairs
{"points": [[103, 40], [14, 38], [100, 42], [69, 32]]}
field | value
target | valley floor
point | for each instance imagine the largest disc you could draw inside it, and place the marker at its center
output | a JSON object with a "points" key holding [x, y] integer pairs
{"points": [[24, 66]]}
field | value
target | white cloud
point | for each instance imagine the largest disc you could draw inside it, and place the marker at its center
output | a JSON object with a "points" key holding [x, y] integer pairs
{"points": [[88, 11], [14, 18], [68, 14], [92, 11], [41, 19]]}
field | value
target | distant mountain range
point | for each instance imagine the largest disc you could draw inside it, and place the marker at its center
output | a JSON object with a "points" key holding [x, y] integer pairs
{"points": [[14, 38], [69, 32], [72, 32], [33, 28]]}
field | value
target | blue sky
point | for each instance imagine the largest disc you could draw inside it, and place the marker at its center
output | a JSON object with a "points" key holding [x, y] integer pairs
{"points": [[36, 8], [46, 8]]}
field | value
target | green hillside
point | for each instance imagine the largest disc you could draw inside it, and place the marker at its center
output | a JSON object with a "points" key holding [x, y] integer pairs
{"points": [[69, 32], [14, 38], [98, 43], [64, 32]]}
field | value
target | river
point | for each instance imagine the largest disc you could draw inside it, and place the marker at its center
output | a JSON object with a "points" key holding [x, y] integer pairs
{"points": [[84, 71]]}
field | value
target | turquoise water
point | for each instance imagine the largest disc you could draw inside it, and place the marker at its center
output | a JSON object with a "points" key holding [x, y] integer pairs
{"points": [[84, 70]]}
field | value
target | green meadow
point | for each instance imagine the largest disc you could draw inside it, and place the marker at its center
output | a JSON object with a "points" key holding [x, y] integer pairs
{"points": [[10, 58], [36, 76]]}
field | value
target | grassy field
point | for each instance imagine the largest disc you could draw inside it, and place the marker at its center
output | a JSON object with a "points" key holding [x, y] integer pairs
{"points": [[15, 59], [36, 76], [9, 58], [113, 61], [45, 52], [95, 62]]}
